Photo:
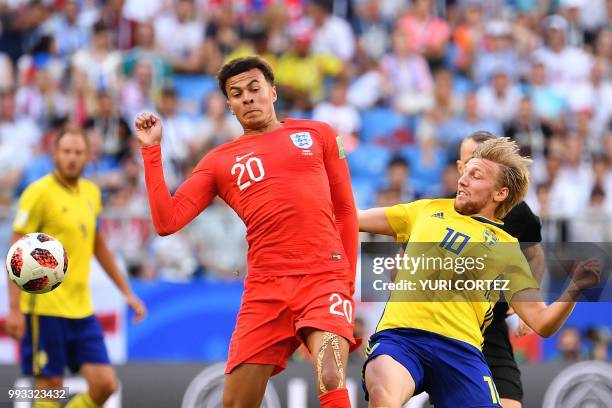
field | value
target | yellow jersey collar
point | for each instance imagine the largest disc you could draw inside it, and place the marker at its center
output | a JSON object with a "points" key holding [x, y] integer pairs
{"points": [[64, 185], [497, 223]]}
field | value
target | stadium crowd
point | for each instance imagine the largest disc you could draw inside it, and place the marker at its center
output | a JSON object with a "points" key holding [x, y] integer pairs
{"points": [[402, 81]]}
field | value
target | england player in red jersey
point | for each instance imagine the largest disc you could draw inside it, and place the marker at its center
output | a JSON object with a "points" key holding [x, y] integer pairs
{"points": [[289, 182]]}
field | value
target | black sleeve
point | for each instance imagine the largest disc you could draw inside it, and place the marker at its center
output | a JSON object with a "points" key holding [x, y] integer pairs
{"points": [[524, 225]]}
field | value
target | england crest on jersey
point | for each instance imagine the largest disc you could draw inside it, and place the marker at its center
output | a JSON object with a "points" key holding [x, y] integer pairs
{"points": [[303, 140]]}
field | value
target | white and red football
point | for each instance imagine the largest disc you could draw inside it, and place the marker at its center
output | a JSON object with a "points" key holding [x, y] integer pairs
{"points": [[37, 263]]}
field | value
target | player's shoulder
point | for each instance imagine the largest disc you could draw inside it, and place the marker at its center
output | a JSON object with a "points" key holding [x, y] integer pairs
{"points": [[89, 187], [496, 228], [443, 204], [39, 186]]}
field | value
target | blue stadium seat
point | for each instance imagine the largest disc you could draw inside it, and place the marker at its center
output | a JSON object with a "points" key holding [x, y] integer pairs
{"points": [[378, 123], [193, 90], [364, 190], [369, 161]]}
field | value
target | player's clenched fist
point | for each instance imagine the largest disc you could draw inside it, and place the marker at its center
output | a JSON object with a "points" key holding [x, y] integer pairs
{"points": [[148, 129]]}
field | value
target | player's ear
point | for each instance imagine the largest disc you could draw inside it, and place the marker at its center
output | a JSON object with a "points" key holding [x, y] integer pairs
{"points": [[460, 167], [229, 106], [501, 194], [274, 95]]}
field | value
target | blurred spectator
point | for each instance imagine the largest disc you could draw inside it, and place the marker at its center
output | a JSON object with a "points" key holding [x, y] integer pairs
{"points": [[527, 129], [172, 257], [603, 43], [180, 35], [134, 10], [570, 10], [426, 34], [592, 225], [102, 169], [218, 238], [300, 74], [6, 72], [332, 34], [450, 180], [409, 76], [146, 50], [372, 30], [100, 63], [601, 338], [446, 104], [565, 65], [468, 36], [255, 41], [427, 162], [398, 180], [594, 97], [41, 98], [454, 130], [123, 30], [139, 93], [571, 187], [178, 136], [216, 126], [19, 137], [500, 99], [569, 345], [369, 88], [113, 128], [548, 102], [496, 51], [222, 31], [69, 33], [340, 115]]}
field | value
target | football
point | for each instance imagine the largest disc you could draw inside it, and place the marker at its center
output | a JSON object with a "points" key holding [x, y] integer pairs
{"points": [[37, 263]]}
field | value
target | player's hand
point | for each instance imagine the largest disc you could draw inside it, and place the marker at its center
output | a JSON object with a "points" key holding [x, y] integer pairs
{"points": [[15, 324], [586, 274], [148, 129], [523, 329], [139, 309]]}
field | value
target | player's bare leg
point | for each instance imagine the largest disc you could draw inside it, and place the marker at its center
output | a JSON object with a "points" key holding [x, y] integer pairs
{"points": [[245, 386], [388, 382], [509, 403], [329, 357], [48, 383], [101, 384]]}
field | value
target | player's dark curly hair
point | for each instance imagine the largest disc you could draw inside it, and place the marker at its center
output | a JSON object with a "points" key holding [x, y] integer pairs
{"points": [[243, 64]]}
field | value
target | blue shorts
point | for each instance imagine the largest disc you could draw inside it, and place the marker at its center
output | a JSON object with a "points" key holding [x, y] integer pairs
{"points": [[52, 343], [452, 372]]}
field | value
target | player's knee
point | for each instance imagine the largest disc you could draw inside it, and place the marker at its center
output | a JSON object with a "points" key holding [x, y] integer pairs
{"points": [[380, 396], [331, 378], [231, 400], [105, 388]]}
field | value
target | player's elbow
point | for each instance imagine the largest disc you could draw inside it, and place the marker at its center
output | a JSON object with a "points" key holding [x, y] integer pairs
{"points": [[164, 230], [545, 329]]}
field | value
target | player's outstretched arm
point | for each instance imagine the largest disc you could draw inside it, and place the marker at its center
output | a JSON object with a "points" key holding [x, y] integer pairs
{"points": [[546, 320], [171, 213], [374, 221], [107, 261], [15, 321]]}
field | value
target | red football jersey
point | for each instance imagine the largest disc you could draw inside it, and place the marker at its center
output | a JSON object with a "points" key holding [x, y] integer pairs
{"points": [[281, 185]]}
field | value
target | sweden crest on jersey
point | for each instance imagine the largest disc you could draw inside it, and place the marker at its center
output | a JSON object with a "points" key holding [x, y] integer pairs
{"points": [[303, 140]]}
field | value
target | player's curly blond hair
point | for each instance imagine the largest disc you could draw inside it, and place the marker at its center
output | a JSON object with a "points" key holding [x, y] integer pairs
{"points": [[513, 170]]}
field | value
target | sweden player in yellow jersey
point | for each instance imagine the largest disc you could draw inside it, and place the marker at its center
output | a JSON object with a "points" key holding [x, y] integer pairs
{"points": [[58, 329], [436, 346]]}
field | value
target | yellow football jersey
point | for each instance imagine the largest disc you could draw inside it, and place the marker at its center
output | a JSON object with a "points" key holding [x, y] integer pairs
{"points": [[458, 314], [69, 214]]}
